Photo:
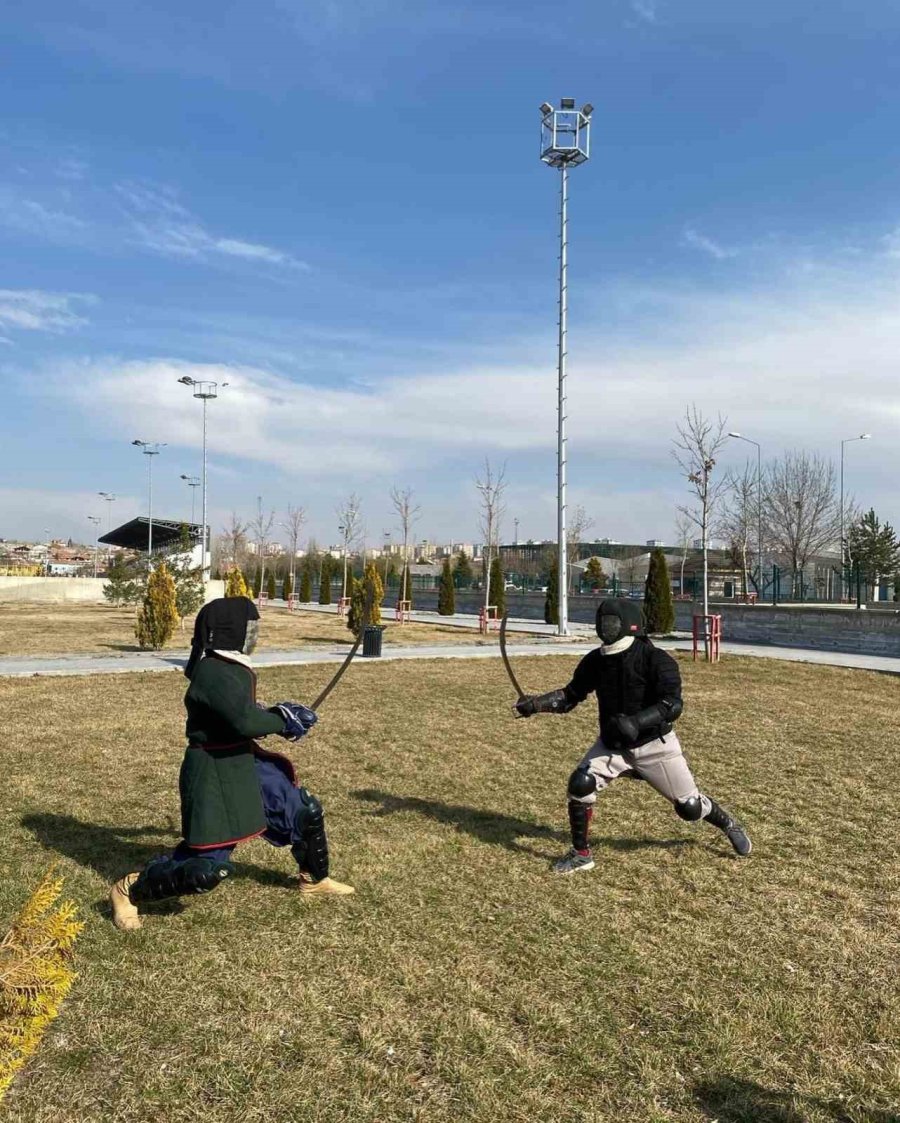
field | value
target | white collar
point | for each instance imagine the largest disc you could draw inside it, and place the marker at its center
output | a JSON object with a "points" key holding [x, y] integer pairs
{"points": [[235, 657], [617, 648]]}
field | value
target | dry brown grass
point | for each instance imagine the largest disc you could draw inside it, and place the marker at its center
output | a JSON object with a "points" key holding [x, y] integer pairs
{"points": [[33, 629], [463, 981]]}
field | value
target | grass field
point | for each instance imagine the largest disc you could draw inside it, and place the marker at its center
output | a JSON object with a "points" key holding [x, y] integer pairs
{"points": [[463, 982], [68, 629]]}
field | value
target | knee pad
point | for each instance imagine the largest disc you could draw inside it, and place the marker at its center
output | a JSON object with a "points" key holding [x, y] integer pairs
{"points": [[690, 809], [164, 877], [310, 813], [582, 786]]}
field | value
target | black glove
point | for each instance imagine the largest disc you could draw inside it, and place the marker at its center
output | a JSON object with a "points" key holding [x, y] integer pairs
{"points": [[525, 707], [625, 728]]}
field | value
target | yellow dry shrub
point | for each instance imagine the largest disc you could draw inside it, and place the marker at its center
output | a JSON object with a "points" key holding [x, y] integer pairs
{"points": [[235, 585], [35, 973]]}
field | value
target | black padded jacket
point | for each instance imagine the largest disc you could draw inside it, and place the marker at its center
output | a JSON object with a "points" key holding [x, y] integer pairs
{"points": [[627, 684]]}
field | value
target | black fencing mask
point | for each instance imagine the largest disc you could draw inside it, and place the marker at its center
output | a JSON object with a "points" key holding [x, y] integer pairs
{"points": [[617, 619], [225, 624]]}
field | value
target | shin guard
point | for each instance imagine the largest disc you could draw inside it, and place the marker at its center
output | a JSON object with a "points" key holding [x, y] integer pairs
{"points": [[311, 848], [580, 815]]}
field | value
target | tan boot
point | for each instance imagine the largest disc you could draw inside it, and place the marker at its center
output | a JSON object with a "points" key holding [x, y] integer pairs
{"points": [[310, 888], [125, 914]]}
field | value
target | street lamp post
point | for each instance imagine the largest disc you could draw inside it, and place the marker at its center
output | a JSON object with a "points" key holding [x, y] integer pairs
{"points": [[110, 499], [95, 519], [848, 440], [345, 531], [759, 569], [149, 449], [205, 391], [565, 143], [193, 483]]}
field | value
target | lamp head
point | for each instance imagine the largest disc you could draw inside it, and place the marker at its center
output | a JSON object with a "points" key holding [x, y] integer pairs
{"points": [[546, 108]]}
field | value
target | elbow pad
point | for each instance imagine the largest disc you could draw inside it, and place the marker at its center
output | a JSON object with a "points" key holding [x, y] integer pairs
{"points": [[660, 713]]}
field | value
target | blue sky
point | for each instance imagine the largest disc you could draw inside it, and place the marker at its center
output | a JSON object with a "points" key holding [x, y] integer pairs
{"points": [[338, 208]]}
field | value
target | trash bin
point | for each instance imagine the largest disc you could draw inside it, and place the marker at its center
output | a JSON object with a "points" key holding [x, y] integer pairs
{"points": [[371, 645]]}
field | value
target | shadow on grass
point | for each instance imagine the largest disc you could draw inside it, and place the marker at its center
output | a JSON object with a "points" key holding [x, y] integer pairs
{"points": [[729, 1100], [111, 851], [496, 829]]}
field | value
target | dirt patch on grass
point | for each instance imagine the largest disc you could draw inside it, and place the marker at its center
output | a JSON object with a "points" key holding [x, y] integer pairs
{"points": [[463, 981]]}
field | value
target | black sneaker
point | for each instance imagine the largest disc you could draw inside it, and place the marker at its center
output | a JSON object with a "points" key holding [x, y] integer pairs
{"points": [[730, 827]]}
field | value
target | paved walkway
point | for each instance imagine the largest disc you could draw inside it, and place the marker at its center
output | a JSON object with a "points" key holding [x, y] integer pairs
{"points": [[130, 662]]}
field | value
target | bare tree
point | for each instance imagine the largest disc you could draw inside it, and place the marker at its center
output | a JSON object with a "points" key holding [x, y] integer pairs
{"points": [[296, 517], [350, 515], [233, 542], [260, 528], [578, 525], [736, 523], [408, 513], [695, 451], [683, 532], [491, 485], [801, 508]]}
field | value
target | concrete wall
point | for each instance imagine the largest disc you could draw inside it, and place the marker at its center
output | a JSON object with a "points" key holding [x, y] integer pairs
{"points": [[67, 590]]}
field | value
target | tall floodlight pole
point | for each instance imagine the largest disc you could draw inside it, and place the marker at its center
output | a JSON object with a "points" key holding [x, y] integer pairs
{"points": [[565, 143], [848, 440], [110, 499], [193, 483], [149, 449], [205, 391], [740, 437], [95, 519]]}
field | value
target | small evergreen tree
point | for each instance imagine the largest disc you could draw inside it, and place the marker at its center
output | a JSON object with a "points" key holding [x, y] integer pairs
{"points": [[325, 580], [447, 594], [594, 574], [391, 575], [257, 582], [235, 585], [158, 615], [189, 591], [497, 592], [360, 591], [873, 547], [464, 575], [551, 604], [270, 585], [659, 612], [306, 582], [124, 582], [287, 588]]}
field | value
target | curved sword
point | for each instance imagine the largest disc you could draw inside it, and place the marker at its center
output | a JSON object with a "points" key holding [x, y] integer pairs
{"points": [[367, 614], [506, 662]]}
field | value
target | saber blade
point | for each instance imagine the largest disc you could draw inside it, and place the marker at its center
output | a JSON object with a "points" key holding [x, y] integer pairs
{"points": [[506, 662], [367, 615]]}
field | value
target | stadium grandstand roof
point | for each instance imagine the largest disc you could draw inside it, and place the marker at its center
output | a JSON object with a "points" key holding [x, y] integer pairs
{"points": [[135, 535]]}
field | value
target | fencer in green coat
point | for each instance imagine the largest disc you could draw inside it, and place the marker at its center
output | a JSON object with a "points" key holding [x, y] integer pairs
{"points": [[231, 788]]}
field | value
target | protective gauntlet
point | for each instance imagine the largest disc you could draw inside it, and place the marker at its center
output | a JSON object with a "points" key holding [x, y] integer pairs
{"points": [[556, 702]]}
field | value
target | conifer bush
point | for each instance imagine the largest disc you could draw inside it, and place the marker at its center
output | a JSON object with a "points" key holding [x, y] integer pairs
{"points": [[551, 603], [306, 583], [270, 585], [464, 575], [158, 615], [35, 974], [287, 587], [361, 591], [659, 611], [497, 591], [235, 585], [325, 581], [447, 594], [257, 583]]}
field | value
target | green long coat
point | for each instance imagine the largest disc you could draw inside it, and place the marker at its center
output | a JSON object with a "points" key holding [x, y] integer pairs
{"points": [[220, 798]]}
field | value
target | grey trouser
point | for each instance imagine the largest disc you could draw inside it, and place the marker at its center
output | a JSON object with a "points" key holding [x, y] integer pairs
{"points": [[660, 762]]}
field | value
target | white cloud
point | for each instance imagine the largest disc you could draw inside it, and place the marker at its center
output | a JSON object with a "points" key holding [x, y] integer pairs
{"points": [[34, 310], [159, 222], [645, 9], [696, 240]]}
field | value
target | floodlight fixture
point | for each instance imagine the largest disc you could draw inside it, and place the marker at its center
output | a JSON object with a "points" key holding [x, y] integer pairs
{"points": [[567, 103], [546, 108], [587, 109]]}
